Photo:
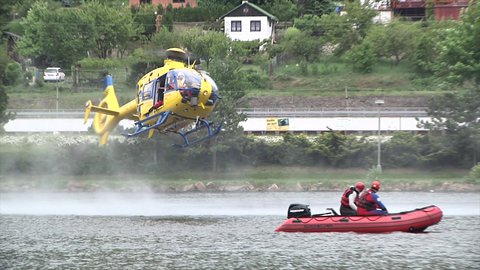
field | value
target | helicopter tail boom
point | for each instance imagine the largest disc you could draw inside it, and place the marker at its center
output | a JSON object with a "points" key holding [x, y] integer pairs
{"points": [[90, 107], [108, 113]]}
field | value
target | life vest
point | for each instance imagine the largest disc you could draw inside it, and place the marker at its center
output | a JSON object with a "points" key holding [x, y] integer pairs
{"points": [[366, 201], [345, 195]]}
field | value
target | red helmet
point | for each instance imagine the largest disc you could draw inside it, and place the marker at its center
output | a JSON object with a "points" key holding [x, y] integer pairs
{"points": [[360, 186], [376, 185]]}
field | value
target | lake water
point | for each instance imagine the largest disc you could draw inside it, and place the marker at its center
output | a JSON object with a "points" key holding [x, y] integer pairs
{"points": [[222, 231]]}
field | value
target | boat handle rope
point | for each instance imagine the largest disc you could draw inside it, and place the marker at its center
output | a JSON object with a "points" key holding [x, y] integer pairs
{"points": [[370, 218]]}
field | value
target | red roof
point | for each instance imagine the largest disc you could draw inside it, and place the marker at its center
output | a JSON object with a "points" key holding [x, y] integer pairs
{"points": [[164, 3]]}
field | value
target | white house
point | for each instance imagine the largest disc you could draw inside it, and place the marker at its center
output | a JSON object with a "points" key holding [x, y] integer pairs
{"points": [[384, 9], [249, 22]]}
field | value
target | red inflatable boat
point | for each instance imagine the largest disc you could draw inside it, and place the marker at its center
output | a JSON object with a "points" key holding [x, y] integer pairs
{"points": [[300, 220]]}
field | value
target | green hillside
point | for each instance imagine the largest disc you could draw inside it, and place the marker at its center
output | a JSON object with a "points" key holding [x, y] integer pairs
{"points": [[330, 81]]}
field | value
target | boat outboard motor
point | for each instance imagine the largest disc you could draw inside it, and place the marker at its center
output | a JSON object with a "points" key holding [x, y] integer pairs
{"points": [[296, 210]]}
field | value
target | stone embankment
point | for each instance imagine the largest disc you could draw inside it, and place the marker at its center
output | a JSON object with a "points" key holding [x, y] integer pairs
{"points": [[298, 187], [213, 187]]}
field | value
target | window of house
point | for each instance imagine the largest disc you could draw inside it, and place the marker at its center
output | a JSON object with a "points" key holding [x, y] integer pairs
{"points": [[255, 26], [145, 2], [178, 1], [236, 26]]}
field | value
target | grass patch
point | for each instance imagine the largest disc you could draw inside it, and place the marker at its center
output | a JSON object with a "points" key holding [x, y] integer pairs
{"points": [[327, 77], [69, 97]]}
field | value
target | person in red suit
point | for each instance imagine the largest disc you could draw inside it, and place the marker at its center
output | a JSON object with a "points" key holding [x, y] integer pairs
{"points": [[369, 203]]}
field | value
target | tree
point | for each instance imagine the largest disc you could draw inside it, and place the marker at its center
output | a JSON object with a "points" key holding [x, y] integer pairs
{"points": [[334, 147], [114, 27], [284, 10], [13, 72], [4, 118], [144, 16], [397, 39], [165, 39], [341, 31], [71, 41], [360, 17], [424, 55], [232, 85], [459, 52], [167, 19], [426, 51], [93, 27], [402, 150], [207, 46], [5, 9], [362, 57], [315, 7], [231, 82], [301, 44], [457, 115], [311, 24]]}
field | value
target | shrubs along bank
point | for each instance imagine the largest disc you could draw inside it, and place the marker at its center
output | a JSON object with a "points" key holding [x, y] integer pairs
{"points": [[81, 156]]}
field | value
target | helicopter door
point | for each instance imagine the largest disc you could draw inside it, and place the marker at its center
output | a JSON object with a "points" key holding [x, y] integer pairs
{"points": [[159, 90], [145, 98]]}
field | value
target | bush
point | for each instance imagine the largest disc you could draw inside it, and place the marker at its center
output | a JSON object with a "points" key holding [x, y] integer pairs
{"points": [[13, 72], [39, 83], [256, 80], [362, 57], [28, 78], [474, 175], [402, 150]]}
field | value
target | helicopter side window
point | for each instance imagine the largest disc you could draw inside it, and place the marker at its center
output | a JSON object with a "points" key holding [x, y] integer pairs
{"points": [[171, 81], [147, 92]]}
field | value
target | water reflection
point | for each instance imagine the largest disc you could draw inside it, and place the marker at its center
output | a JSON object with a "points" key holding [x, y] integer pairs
{"points": [[201, 204]]}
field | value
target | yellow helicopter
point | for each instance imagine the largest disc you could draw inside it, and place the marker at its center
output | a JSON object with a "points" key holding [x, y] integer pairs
{"points": [[177, 97]]}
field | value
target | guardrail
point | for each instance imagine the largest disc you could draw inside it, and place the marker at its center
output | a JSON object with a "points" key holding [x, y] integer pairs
{"points": [[47, 113], [260, 112], [334, 112]]}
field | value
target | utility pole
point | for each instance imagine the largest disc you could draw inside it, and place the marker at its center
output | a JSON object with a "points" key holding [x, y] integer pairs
{"points": [[379, 103]]}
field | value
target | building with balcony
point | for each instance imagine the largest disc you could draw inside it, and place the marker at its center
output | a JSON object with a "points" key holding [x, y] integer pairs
{"points": [[417, 9]]}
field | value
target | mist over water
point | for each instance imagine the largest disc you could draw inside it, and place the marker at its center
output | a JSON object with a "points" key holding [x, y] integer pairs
{"points": [[217, 204], [222, 231]]}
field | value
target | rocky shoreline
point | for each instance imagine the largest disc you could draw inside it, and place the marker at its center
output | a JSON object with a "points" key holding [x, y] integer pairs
{"points": [[212, 187]]}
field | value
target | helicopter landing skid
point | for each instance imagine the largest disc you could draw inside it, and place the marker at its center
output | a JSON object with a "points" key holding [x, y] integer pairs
{"points": [[142, 128], [199, 125]]}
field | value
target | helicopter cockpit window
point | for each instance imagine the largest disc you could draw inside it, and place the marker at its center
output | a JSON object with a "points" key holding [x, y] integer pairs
{"points": [[183, 79], [146, 92]]}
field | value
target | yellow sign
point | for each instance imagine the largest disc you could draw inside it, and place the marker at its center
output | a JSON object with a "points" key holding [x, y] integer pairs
{"points": [[277, 124]]}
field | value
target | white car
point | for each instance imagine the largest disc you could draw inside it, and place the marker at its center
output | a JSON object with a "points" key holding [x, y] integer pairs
{"points": [[54, 74]]}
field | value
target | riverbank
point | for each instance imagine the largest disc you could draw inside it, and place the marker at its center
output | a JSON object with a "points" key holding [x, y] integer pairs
{"points": [[264, 179]]}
